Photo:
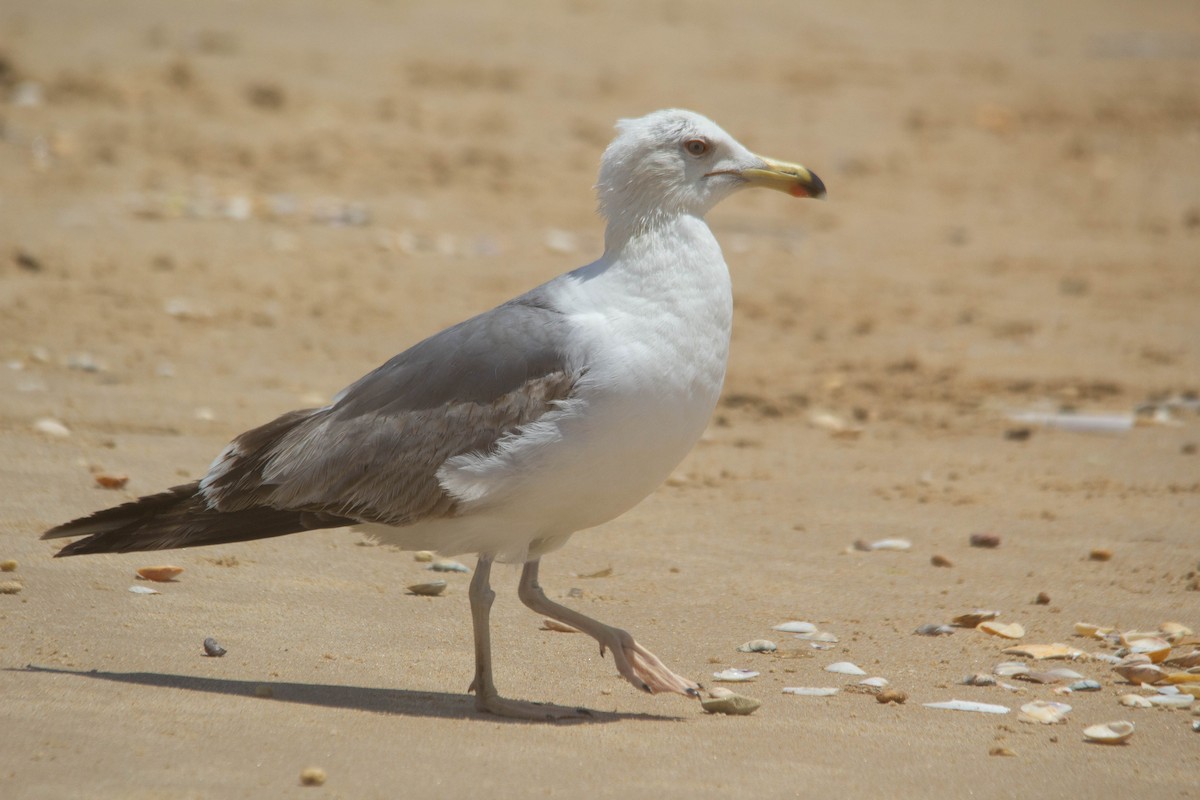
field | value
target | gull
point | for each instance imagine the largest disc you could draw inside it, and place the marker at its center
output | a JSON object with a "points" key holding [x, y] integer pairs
{"points": [[504, 435]]}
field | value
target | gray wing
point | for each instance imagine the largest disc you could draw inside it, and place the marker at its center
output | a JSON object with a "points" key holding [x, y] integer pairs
{"points": [[373, 454]]}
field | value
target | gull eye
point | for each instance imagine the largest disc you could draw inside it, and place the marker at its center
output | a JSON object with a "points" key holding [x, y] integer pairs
{"points": [[696, 147]]}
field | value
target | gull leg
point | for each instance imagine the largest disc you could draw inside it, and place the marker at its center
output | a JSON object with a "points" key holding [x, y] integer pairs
{"points": [[635, 663], [486, 697]]}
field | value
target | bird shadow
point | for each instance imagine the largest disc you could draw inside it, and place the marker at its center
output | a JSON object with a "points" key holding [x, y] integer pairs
{"points": [[403, 702]]}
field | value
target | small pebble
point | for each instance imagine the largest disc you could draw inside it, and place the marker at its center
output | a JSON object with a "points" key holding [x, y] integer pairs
{"points": [[107, 480], [8, 565], [891, 696], [1101, 554], [941, 561], [52, 427], [312, 776], [212, 649], [734, 704], [431, 589], [1042, 599], [1000, 751], [10, 587], [988, 540], [423, 556]]}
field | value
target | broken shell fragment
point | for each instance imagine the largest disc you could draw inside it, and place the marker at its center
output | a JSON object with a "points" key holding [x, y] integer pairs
{"points": [[160, 574], [1090, 630], [1052, 676], [1109, 732], [758, 646], [811, 691], [447, 565], [975, 617], [1174, 631], [967, 705], [1134, 701], [845, 668], [1085, 686], [1140, 673], [733, 704], [884, 544], [877, 683], [212, 649], [1185, 661], [143, 590], [1045, 711], [1010, 669], [817, 636], [1157, 649], [1042, 652], [932, 629], [430, 589], [108, 480], [1012, 630], [735, 675], [1171, 700], [795, 626]]}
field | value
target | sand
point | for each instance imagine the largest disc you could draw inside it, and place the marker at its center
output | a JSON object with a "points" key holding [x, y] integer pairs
{"points": [[211, 213]]}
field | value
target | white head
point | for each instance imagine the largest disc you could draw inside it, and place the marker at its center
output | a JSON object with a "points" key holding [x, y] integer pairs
{"points": [[675, 162]]}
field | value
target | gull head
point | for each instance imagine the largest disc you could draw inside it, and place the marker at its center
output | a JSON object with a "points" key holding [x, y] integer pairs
{"points": [[674, 162]]}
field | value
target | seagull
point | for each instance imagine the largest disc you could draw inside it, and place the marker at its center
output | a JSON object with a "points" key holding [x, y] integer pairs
{"points": [[505, 434]]}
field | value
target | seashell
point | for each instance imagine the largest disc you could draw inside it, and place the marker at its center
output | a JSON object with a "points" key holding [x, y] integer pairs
{"points": [[891, 696], [212, 649], [554, 625], [52, 427], [934, 630], [1171, 700], [160, 574], [733, 704], [845, 668], [817, 636], [446, 565], [1174, 631], [1140, 673], [1182, 677], [1085, 686], [431, 589], [1011, 630], [1134, 701], [1045, 711], [1107, 658], [887, 544], [973, 619], [1010, 669], [1156, 649], [1129, 637], [423, 556], [979, 679], [1090, 630], [108, 480], [1190, 689], [795, 626], [1109, 732], [143, 590], [967, 705], [758, 646], [1052, 676], [734, 675], [1042, 652], [878, 683], [810, 691], [1186, 661]]}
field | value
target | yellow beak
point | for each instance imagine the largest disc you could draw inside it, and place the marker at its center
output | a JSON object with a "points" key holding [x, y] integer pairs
{"points": [[791, 178]]}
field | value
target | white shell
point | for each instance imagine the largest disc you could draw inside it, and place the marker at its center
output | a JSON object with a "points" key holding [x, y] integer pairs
{"points": [[795, 626], [878, 683], [1134, 701], [967, 705], [51, 427], [890, 544], [1045, 712], [1008, 669], [810, 691], [845, 668], [734, 675], [1171, 700], [758, 646], [1109, 732], [817, 636], [143, 590]]}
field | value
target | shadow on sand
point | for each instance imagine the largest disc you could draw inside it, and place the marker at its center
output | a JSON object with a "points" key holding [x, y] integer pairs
{"points": [[358, 698]]}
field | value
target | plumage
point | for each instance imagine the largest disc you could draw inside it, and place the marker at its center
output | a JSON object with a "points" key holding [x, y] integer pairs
{"points": [[505, 434]]}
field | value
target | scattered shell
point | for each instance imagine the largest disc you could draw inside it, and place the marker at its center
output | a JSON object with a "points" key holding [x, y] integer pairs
{"points": [[795, 627], [987, 540], [1088, 629], [1101, 554], [735, 704], [431, 589], [52, 427], [1043, 652], [810, 691], [107, 480], [734, 675], [10, 587], [891, 696], [1042, 599], [212, 649], [979, 679], [817, 636], [1085, 686], [884, 544], [1079, 423], [975, 617], [878, 683], [967, 705], [1190, 689], [1140, 673], [933, 629], [1010, 669], [423, 556], [144, 590], [1044, 711], [845, 668], [1171, 700], [1174, 631], [1186, 661], [160, 574], [1109, 732], [940, 561], [758, 646], [1134, 701], [448, 566], [554, 625], [312, 776], [1052, 676], [1156, 649], [1011, 630], [8, 565]]}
